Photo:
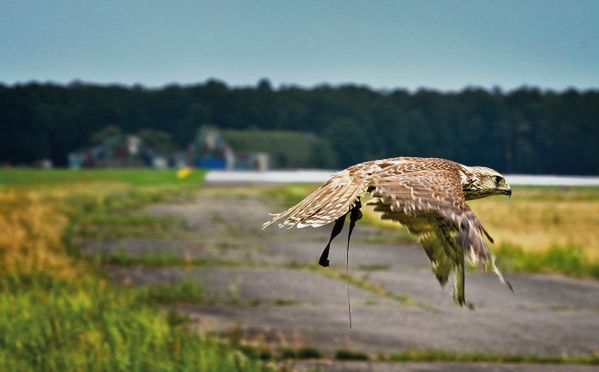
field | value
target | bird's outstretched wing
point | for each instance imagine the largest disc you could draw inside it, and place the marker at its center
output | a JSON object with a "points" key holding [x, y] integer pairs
{"points": [[341, 192], [431, 205], [327, 203]]}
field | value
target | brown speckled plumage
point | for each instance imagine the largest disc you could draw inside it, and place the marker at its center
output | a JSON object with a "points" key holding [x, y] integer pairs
{"points": [[426, 195]]}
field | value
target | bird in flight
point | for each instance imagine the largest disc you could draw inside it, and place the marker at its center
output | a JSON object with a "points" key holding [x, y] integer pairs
{"points": [[426, 195]]}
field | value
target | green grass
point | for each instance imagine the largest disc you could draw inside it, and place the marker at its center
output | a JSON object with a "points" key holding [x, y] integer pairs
{"points": [[257, 353], [305, 352], [105, 224], [122, 258], [375, 267], [347, 354], [57, 315], [448, 356], [569, 260], [537, 219], [49, 324], [285, 302], [130, 219], [265, 353], [27, 177], [182, 291]]}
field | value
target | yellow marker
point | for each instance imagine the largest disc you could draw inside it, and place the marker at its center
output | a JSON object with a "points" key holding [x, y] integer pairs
{"points": [[184, 172]]}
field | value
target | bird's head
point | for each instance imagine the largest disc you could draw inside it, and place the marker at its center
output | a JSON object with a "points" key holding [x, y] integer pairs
{"points": [[480, 182]]}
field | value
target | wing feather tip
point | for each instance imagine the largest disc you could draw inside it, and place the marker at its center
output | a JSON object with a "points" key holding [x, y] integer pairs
{"points": [[267, 223]]}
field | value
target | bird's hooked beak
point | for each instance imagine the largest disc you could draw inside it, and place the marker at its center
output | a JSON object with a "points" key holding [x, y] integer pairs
{"points": [[508, 191]]}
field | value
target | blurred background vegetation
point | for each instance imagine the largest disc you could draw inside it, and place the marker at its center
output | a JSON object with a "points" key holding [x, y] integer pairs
{"points": [[526, 130], [57, 312]]}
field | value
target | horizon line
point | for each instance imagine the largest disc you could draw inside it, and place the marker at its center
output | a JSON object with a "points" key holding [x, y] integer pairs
{"points": [[288, 85]]}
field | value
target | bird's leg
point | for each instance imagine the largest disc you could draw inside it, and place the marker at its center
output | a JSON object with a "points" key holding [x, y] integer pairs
{"points": [[355, 215], [324, 257]]}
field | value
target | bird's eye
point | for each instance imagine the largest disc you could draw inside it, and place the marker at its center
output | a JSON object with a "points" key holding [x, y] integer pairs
{"points": [[498, 180]]}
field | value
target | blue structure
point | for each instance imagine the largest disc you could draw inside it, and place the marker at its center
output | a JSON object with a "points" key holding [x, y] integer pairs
{"points": [[210, 162], [210, 151]]}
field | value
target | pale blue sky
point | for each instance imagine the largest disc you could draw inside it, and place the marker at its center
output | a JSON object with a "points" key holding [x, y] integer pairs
{"points": [[385, 44]]}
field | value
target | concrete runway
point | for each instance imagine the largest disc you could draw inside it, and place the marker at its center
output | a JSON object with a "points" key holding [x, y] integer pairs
{"points": [[264, 284]]}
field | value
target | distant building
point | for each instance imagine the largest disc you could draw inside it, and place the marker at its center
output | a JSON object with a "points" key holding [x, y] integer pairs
{"points": [[117, 151], [209, 150], [254, 161]]}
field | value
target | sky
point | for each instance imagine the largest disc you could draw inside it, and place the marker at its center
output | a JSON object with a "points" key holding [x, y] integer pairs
{"points": [[444, 45]]}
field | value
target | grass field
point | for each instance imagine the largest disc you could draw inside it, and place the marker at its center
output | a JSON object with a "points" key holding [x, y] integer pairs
{"points": [[35, 178], [538, 229], [558, 226], [56, 313]]}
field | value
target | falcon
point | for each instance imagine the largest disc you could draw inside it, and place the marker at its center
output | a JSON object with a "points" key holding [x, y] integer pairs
{"points": [[426, 195]]}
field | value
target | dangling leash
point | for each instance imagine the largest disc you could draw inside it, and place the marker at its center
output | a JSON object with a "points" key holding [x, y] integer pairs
{"points": [[354, 215]]}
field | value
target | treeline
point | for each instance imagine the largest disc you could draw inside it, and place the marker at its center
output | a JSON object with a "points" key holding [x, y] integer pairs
{"points": [[522, 131]]}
